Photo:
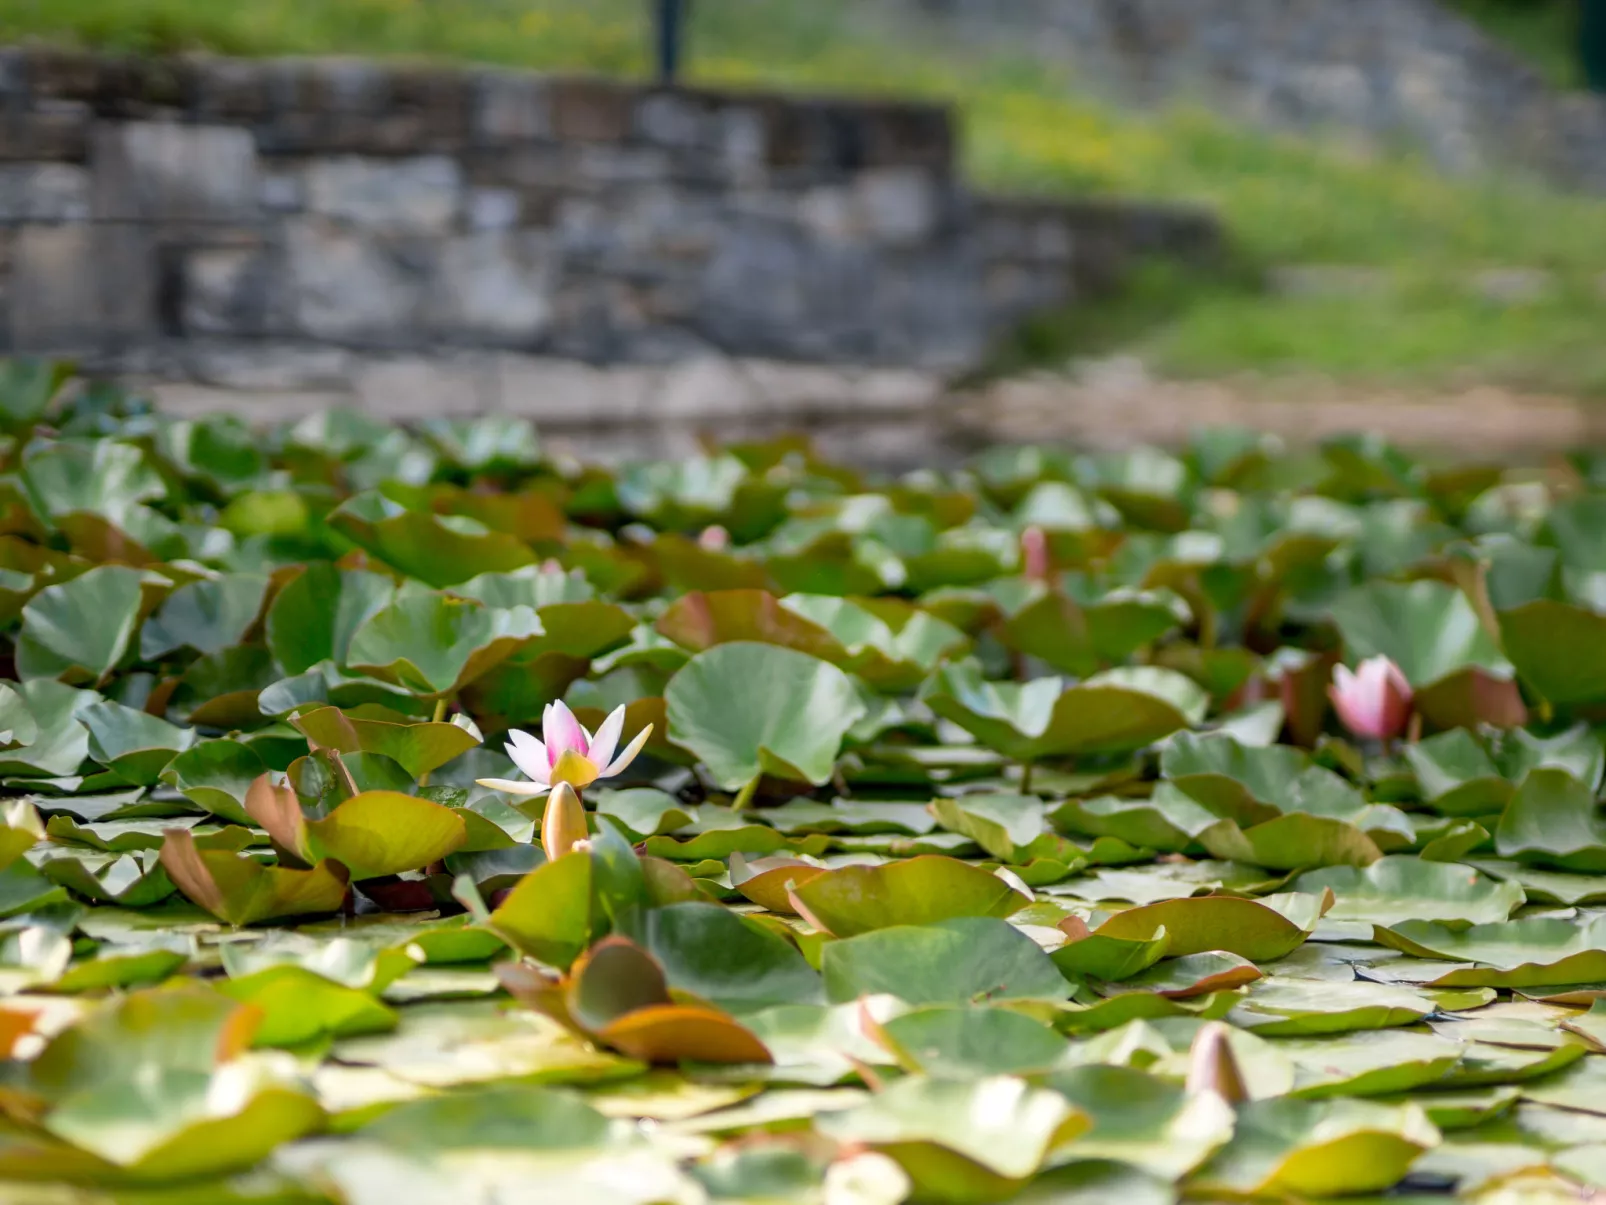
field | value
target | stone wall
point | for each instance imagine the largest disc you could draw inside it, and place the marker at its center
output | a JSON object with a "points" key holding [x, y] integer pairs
{"points": [[1389, 72], [286, 235]]}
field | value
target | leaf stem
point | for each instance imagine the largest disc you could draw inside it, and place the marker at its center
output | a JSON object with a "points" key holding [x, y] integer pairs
{"points": [[1026, 777], [744, 797]]}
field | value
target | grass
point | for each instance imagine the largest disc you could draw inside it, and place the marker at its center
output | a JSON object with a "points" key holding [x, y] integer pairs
{"points": [[1029, 128]]}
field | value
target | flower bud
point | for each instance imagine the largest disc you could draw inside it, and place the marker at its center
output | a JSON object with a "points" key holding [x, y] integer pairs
{"points": [[1374, 700], [563, 824]]}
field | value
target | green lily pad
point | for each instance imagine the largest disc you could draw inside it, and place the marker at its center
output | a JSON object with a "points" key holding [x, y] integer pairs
{"points": [[971, 959], [80, 630], [1260, 930], [1316, 1149], [442, 550], [1527, 952], [1397, 889], [919, 891], [207, 616], [748, 709], [1427, 628], [1553, 819], [313, 618], [417, 748], [1114, 712], [1557, 648], [134, 745], [240, 890], [959, 1141], [434, 645], [970, 1041], [1142, 1121], [215, 775], [548, 915]]}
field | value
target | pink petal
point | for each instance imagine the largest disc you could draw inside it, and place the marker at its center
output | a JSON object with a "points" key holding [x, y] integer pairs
{"points": [[629, 755], [607, 738], [563, 732]]}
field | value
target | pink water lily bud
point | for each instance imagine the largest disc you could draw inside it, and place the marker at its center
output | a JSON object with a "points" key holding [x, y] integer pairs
{"points": [[1373, 700], [714, 539], [1035, 561], [569, 754]]}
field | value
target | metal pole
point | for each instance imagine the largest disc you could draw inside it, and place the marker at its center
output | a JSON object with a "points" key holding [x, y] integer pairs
{"points": [[670, 40], [1592, 42]]}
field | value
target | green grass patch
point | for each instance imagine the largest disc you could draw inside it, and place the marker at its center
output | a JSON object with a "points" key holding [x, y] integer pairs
{"points": [[1030, 127]]}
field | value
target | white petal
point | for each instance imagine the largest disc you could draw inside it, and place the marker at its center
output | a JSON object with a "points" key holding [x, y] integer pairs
{"points": [[607, 738], [531, 761], [514, 788], [629, 755]]}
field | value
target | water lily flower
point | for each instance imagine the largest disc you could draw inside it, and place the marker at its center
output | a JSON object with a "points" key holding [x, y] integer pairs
{"points": [[569, 754], [563, 824], [714, 539], [1373, 700]]}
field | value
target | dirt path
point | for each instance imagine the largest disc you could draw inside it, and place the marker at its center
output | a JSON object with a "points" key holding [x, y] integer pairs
{"points": [[1115, 403]]}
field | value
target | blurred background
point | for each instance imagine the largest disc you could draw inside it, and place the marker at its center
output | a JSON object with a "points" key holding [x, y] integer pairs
{"points": [[1410, 194]]}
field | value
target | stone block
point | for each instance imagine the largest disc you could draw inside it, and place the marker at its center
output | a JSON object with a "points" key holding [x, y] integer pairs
{"points": [[257, 365], [45, 192], [347, 287], [711, 387], [183, 400], [592, 110], [410, 196], [82, 285], [493, 208], [163, 172], [899, 206], [410, 388], [53, 130], [672, 118], [509, 107], [61, 74], [568, 393], [494, 288], [229, 89], [231, 291]]}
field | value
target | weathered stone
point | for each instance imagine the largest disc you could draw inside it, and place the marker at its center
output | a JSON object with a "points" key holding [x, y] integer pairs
{"points": [[510, 107], [229, 89], [900, 207], [254, 365], [592, 110], [82, 285], [46, 192], [231, 291], [411, 388], [567, 393], [62, 74], [159, 172], [494, 288], [51, 131], [708, 388], [493, 208], [413, 196], [259, 409], [283, 192], [673, 118], [351, 288]]}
